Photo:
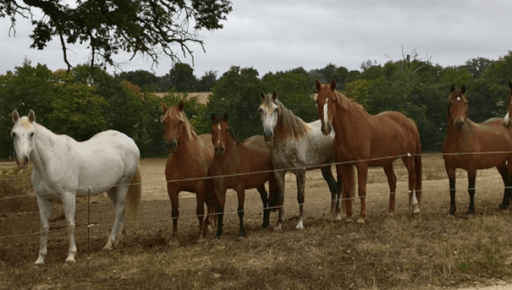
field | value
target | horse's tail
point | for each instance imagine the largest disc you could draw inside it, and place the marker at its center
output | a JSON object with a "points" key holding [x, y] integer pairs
{"points": [[133, 198], [418, 169]]}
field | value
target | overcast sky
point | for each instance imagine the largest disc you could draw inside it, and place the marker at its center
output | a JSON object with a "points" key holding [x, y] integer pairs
{"points": [[271, 35]]}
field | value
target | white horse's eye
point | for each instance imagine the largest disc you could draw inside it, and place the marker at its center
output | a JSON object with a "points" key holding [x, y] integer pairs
{"points": [[31, 134], [13, 135], [275, 110]]}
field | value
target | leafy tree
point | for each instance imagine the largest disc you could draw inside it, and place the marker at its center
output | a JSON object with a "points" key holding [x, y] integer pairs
{"points": [[207, 81], [60, 103], [477, 66], [144, 79], [236, 93], [148, 27], [182, 78], [294, 90]]}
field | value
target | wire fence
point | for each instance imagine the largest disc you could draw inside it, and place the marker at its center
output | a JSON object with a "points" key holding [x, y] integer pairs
{"points": [[167, 219]]}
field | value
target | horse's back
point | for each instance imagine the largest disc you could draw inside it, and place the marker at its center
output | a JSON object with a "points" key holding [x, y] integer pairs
{"points": [[257, 143]]}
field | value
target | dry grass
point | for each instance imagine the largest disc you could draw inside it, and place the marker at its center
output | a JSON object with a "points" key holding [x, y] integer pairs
{"points": [[388, 252]]}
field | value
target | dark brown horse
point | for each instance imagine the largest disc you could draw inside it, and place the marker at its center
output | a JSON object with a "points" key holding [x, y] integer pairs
{"points": [[470, 146], [235, 158], [363, 140], [190, 156]]}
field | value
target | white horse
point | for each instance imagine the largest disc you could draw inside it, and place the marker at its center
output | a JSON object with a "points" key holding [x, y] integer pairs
{"points": [[65, 169], [297, 146]]}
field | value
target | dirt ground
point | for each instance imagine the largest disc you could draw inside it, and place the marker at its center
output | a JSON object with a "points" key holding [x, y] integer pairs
{"points": [[21, 229]]}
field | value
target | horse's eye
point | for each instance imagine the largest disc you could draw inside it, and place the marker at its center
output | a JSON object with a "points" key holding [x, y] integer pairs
{"points": [[31, 134], [14, 135], [275, 110], [260, 110]]}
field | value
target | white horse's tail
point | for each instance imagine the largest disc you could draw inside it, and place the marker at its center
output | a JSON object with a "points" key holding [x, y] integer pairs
{"points": [[133, 198]]}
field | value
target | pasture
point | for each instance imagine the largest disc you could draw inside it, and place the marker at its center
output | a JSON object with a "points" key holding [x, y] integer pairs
{"points": [[388, 252]]}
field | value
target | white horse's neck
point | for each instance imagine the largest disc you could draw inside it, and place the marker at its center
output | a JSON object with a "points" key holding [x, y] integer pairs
{"points": [[46, 146]]}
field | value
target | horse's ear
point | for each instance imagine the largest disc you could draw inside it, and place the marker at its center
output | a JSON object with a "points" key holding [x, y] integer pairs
{"points": [[225, 116], [31, 116], [333, 85], [510, 84], [262, 95], [213, 117], [274, 95], [452, 88], [463, 89], [15, 116], [181, 106], [318, 85], [164, 108]]}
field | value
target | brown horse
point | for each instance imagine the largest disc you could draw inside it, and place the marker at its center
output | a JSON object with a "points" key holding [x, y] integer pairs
{"points": [[190, 156], [363, 140], [233, 157], [470, 140]]}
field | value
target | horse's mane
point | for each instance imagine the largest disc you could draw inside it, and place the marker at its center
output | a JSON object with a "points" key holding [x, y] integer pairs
{"points": [[291, 125], [349, 104], [174, 112]]}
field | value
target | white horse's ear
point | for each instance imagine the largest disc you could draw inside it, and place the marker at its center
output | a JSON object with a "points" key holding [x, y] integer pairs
{"points": [[274, 96], [15, 116], [164, 108], [262, 95], [31, 116], [333, 85], [318, 85], [181, 106]]}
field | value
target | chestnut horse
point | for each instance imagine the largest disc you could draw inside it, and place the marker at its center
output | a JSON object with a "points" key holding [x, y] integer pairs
{"points": [[235, 158], [297, 146], [467, 138], [365, 140], [190, 156]]}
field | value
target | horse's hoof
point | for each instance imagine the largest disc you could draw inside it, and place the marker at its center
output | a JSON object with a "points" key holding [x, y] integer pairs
{"points": [[173, 243], [39, 262], [300, 226], [390, 214], [107, 248], [470, 216], [416, 210], [348, 220], [278, 229], [70, 260], [240, 239], [360, 221]]}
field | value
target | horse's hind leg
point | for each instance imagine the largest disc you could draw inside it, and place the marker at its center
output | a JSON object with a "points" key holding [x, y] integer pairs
{"points": [[69, 202], [45, 211], [388, 169], [118, 226], [503, 170], [264, 201], [413, 201], [335, 190]]}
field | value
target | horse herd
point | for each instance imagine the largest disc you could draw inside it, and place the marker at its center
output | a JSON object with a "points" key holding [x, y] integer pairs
{"points": [[209, 164]]}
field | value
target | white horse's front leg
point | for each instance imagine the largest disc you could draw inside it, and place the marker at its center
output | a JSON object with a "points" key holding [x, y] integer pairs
{"points": [[301, 187], [280, 182], [45, 211], [69, 202]]}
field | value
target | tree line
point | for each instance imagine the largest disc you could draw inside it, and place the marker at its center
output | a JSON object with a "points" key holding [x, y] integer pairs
{"points": [[89, 100]]}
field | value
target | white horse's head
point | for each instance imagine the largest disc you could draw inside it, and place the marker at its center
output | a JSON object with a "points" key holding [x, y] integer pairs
{"points": [[22, 134], [269, 111]]}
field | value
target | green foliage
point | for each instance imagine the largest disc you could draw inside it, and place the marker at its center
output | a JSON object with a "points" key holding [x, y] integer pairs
{"points": [[148, 27], [236, 93]]}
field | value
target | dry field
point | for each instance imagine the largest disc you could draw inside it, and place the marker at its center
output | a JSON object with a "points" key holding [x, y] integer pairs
{"points": [[428, 251]]}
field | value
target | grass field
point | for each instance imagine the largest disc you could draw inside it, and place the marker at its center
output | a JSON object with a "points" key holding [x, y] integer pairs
{"points": [[396, 251]]}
